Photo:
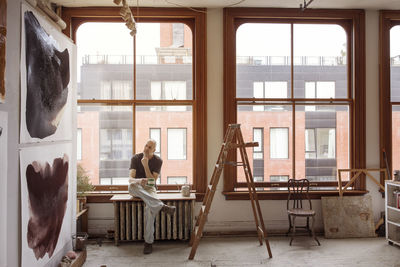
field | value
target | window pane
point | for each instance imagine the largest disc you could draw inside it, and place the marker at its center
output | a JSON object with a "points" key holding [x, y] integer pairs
{"points": [[170, 125], [322, 142], [320, 55], [176, 143], [279, 143], [395, 137], [395, 64], [164, 61], [259, 57], [176, 180], [107, 142], [104, 69], [272, 116]]}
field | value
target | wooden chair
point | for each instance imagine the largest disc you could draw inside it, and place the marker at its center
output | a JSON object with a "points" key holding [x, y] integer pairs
{"points": [[298, 191]]}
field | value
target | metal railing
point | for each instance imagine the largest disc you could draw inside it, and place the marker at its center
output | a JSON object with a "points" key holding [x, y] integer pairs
{"points": [[128, 59]]}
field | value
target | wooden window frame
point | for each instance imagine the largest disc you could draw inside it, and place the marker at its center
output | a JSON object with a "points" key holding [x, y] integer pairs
{"points": [[74, 17], [387, 20], [354, 23]]}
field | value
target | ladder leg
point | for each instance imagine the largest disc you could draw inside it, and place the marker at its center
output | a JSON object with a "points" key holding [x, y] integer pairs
{"points": [[253, 194]]}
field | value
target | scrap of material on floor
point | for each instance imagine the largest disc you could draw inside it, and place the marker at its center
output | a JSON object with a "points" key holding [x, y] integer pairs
{"points": [[243, 251]]}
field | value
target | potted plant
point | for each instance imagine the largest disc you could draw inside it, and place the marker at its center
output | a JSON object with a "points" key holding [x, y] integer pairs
{"points": [[83, 185]]}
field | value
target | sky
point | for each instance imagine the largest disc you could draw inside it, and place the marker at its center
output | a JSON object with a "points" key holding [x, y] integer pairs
{"points": [[395, 41]]}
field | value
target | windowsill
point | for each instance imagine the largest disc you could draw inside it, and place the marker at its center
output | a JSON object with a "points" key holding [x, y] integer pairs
{"points": [[105, 196], [283, 195]]}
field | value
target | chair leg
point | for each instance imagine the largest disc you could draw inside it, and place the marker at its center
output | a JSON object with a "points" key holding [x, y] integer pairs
{"points": [[294, 230], [290, 225], [312, 230], [308, 226]]}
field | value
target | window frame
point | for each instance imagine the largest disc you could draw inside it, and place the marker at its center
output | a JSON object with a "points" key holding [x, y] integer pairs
{"points": [[387, 20], [196, 21], [353, 21]]}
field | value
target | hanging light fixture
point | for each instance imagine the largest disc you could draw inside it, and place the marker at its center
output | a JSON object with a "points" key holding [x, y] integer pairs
{"points": [[127, 16], [303, 6]]}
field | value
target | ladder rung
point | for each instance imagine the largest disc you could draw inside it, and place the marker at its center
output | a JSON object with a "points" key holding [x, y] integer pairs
{"points": [[251, 144], [210, 187], [233, 163]]}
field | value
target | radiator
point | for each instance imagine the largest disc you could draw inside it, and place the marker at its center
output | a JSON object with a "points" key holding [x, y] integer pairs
{"points": [[129, 221]]}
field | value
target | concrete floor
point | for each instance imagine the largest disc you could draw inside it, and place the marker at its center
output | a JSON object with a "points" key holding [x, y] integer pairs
{"points": [[245, 251]]}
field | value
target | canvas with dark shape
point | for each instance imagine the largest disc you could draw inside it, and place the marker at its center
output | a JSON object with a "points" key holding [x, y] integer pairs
{"points": [[3, 34], [48, 195], [47, 77], [46, 210]]}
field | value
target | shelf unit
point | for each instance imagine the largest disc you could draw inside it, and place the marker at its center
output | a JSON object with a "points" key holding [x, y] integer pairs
{"points": [[392, 212]]}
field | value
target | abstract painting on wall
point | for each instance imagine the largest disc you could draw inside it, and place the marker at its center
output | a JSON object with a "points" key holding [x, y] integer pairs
{"points": [[46, 84], [46, 213], [3, 35]]}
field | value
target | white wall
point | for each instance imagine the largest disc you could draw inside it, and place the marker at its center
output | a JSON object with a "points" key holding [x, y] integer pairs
{"points": [[10, 222], [10, 188], [225, 215]]}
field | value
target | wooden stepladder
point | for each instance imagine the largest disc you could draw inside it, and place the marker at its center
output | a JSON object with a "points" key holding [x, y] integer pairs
{"points": [[233, 139]]}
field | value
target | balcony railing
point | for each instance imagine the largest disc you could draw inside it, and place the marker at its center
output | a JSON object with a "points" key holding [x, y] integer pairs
{"points": [[240, 60], [285, 60], [128, 59]]}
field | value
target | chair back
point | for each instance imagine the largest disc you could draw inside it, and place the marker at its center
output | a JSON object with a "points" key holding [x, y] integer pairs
{"points": [[298, 191]]}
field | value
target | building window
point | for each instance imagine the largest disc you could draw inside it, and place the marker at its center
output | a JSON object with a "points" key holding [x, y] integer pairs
{"points": [[258, 136], [168, 90], [176, 179], [269, 89], [176, 143], [79, 144], [279, 143], [115, 89], [299, 86], [319, 90], [115, 144], [155, 134], [279, 178], [154, 83], [320, 143]]}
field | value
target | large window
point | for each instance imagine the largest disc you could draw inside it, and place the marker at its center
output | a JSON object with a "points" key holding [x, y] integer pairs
{"points": [[149, 86], [390, 90], [291, 76]]}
